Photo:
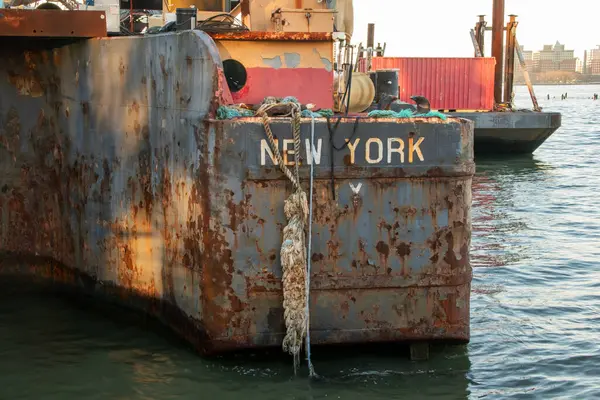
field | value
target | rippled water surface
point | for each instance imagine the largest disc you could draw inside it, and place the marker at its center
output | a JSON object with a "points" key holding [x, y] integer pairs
{"points": [[535, 308]]}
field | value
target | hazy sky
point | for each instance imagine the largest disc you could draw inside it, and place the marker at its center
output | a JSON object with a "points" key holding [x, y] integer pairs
{"points": [[440, 28]]}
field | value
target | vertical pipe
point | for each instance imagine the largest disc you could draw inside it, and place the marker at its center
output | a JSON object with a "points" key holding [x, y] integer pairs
{"points": [[498, 47], [131, 15], [370, 44], [371, 36], [245, 8], [509, 68]]}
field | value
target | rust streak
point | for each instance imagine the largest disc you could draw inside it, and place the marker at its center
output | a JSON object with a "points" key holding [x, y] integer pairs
{"points": [[274, 36]]}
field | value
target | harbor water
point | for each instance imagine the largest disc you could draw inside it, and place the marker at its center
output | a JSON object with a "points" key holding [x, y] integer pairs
{"points": [[535, 308]]}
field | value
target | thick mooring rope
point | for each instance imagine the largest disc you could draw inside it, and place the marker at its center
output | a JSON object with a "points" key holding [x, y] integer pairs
{"points": [[293, 249], [293, 262]]}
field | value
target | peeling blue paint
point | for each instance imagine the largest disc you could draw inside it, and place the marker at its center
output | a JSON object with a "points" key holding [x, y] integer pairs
{"points": [[292, 60], [274, 62]]}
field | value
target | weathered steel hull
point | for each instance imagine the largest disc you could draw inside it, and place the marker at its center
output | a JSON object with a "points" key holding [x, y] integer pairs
{"points": [[390, 252], [116, 180], [511, 132]]}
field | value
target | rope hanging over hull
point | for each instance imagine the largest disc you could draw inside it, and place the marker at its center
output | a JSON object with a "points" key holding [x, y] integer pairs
{"points": [[293, 248]]}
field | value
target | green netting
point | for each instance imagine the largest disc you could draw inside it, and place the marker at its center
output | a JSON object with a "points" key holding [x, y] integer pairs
{"points": [[230, 112], [438, 114], [318, 114], [390, 114], [404, 114]]}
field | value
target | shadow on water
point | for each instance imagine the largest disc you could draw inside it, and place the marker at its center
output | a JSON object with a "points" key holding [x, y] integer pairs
{"points": [[145, 352], [518, 165]]}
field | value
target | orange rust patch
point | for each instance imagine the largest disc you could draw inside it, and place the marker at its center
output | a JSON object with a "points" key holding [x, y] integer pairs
{"points": [[28, 85], [274, 36]]}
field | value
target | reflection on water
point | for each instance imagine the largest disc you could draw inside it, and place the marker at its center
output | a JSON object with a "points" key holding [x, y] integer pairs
{"points": [[497, 185], [535, 309]]}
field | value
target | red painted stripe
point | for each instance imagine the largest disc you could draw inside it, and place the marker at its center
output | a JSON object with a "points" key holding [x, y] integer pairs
{"points": [[308, 85]]}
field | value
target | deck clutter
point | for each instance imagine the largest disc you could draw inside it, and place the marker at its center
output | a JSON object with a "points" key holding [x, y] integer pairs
{"points": [[242, 186], [479, 88]]}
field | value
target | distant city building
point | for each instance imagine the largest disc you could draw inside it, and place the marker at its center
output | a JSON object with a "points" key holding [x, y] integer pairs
{"points": [[579, 67], [554, 58], [592, 62], [568, 65]]}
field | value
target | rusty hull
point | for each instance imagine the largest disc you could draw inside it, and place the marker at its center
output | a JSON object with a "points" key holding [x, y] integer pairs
{"points": [[50, 23], [390, 258], [115, 180], [254, 36]]}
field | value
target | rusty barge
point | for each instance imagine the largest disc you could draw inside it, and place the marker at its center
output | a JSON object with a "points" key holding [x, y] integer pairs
{"points": [[119, 180]]}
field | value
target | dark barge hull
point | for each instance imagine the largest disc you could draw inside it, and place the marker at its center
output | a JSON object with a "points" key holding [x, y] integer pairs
{"points": [[520, 132]]}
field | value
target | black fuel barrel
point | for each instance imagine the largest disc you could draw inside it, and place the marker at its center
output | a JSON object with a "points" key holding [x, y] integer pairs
{"points": [[373, 76], [186, 18], [386, 83]]}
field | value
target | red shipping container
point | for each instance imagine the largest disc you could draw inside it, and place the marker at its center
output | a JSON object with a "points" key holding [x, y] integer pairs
{"points": [[448, 83]]}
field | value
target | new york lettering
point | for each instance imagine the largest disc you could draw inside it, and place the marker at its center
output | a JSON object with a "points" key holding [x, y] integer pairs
{"points": [[373, 151]]}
